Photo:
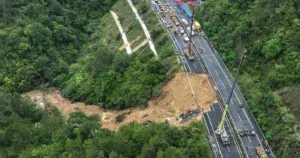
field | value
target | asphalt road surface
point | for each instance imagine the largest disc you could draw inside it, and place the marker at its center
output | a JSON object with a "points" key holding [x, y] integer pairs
{"points": [[196, 66], [242, 117], [213, 118]]}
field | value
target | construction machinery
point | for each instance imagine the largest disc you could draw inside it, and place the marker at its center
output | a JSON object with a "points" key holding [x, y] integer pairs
{"points": [[192, 4], [172, 14], [175, 31], [197, 25], [188, 52], [261, 152], [221, 130]]}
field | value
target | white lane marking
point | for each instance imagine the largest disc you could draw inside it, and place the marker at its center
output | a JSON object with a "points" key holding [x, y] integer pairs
{"points": [[223, 85], [216, 72], [237, 97], [228, 148], [231, 102], [199, 41], [239, 117], [219, 65], [210, 60], [212, 108], [249, 139], [195, 65], [247, 117], [187, 63], [214, 134]]}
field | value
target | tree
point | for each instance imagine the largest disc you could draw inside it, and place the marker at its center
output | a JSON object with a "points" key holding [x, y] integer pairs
{"points": [[271, 49]]}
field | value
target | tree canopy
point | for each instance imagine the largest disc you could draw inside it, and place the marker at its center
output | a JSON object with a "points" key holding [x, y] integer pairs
{"points": [[269, 30], [30, 132]]}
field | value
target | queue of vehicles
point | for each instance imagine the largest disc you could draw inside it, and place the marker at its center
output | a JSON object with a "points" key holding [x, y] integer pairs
{"points": [[184, 23], [189, 54]]}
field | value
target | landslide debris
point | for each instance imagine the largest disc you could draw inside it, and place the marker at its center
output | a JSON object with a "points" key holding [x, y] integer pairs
{"points": [[176, 99]]}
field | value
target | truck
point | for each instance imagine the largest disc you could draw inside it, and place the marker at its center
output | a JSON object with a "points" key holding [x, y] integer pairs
{"points": [[197, 25], [172, 14], [225, 138], [221, 130], [261, 152], [186, 10], [188, 52], [175, 31]]}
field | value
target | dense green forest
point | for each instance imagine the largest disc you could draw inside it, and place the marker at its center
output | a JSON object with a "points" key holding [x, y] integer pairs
{"points": [[270, 31], [113, 79], [26, 131], [66, 44], [40, 39]]}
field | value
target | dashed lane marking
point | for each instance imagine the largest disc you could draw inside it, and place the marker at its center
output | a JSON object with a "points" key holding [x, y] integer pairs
{"points": [[228, 148], [239, 117], [210, 60], [212, 108]]}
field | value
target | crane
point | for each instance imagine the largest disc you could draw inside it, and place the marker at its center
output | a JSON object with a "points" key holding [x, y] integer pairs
{"points": [[221, 130], [192, 4]]}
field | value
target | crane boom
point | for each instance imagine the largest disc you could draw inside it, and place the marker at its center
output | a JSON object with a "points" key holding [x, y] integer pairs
{"points": [[221, 130], [221, 124]]}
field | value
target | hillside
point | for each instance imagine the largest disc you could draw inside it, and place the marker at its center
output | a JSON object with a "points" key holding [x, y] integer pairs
{"points": [[82, 49], [27, 131], [108, 77], [269, 30], [176, 98]]}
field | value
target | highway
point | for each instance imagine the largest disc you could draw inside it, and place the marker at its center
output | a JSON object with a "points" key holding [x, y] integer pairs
{"points": [[242, 117], [239, 112], [212, 118]]}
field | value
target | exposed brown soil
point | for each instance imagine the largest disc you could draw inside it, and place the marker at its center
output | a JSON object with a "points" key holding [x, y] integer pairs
{"points": [[176, 98]]}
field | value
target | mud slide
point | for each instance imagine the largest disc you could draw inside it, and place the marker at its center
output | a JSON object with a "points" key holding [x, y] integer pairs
{"points": [[175, 99]]}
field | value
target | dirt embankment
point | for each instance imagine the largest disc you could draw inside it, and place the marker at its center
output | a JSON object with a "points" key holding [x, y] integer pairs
{"points": [[176, 98]]}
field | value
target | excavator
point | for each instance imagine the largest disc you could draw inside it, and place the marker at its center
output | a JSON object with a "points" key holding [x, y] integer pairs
{"points": [[221, 130]]}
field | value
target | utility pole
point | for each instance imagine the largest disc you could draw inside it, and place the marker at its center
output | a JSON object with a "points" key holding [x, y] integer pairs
{"points": [[236, 77]]}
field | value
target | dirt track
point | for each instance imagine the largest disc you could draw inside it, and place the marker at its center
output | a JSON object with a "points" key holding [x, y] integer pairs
{"points": [[175, 99]]}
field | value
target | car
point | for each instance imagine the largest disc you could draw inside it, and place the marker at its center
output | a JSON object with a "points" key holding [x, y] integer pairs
{"points": [[252, 133], [189, 30], [181, 30], [184, 22], [193, 33], [185, 37], [176, 22]]}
